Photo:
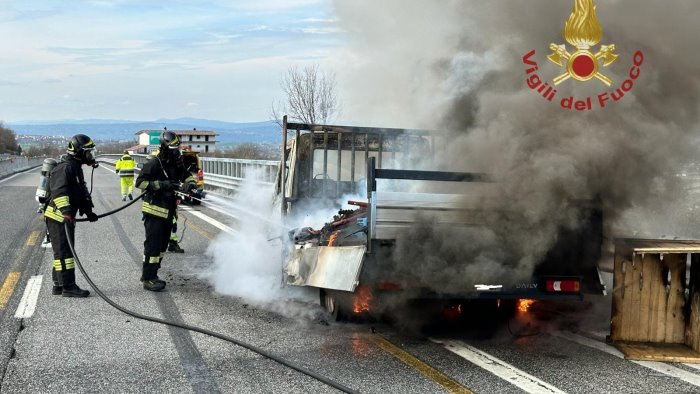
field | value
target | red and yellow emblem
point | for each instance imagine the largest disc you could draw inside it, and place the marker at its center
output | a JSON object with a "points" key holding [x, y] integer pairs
{"points": [[582, 31]]}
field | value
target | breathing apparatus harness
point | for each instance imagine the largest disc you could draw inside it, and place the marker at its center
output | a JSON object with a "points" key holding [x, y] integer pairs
{"points": [[185, 326]]}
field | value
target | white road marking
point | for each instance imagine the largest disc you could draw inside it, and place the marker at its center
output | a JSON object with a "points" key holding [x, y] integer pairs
{"points": [[657, 366], [108, 169], [694, 366], [17, 174], [27, 304], [498, 367], [209, 220]]}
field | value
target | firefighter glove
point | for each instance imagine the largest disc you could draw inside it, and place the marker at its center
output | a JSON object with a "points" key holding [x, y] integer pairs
{"points": [[116, 171], [68, 217], [188, 187], [91, 216]]}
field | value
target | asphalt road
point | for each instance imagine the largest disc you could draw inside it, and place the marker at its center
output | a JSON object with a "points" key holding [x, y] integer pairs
{"points": [[86, 346]]}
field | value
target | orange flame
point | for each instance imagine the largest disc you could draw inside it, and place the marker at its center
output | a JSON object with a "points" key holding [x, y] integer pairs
{"points": [[582, 29], [363, 297], [524, 305]]}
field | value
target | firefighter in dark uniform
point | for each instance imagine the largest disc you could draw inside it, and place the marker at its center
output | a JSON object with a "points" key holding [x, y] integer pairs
{"points": [[68, 197], [160, 178]]}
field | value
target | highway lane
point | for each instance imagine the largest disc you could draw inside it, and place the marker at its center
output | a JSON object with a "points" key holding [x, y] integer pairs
{"points": [[84, 345]]}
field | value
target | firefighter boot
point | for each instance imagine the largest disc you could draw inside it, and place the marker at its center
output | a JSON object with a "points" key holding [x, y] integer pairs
{"points": [[70, 289], [173, 246], [57, 286], [150, 278], [130, 197]]}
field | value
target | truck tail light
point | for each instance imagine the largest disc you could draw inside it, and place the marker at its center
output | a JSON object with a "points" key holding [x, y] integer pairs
{"points": [[200, 175], [563, 286]]}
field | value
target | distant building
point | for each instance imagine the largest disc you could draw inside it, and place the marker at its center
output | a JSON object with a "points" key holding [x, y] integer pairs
{"points": [[195, 140]]}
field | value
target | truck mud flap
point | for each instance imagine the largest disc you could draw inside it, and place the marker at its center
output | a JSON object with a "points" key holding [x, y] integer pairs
{"points": [[328, 267]]}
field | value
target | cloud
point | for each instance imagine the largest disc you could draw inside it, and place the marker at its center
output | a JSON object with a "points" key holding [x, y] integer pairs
{"points": [[89, 47]]}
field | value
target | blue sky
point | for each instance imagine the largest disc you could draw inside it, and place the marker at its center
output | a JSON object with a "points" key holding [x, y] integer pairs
{"points": [[141, 60]]}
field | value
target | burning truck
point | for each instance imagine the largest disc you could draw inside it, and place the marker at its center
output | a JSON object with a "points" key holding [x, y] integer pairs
{"points": [[413, 234]]}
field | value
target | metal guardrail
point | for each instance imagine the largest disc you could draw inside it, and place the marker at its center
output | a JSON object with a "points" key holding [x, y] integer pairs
{"points": [[221, 173], [12, 164]]}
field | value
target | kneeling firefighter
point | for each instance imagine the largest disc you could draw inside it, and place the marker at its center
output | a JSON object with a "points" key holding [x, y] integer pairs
{"points": [[67, 197], [160, 178]]}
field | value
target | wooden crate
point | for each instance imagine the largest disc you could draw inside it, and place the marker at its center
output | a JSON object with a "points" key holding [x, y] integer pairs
{"points": [[656, 300]]}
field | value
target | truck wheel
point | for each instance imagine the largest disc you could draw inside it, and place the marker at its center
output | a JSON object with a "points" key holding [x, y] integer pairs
{"points": [[331, 304]]}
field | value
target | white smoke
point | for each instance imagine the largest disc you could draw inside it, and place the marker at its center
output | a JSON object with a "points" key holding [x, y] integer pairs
{"points": [[248, 264]]}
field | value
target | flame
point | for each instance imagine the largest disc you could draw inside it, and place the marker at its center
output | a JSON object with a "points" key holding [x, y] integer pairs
{"points": [[333, 238], [363, 297], [582, 29], [524, 305]]}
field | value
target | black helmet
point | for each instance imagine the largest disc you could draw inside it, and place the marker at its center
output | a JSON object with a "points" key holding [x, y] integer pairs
{"points": [[81, 147], [78, 143], [169, 140]]}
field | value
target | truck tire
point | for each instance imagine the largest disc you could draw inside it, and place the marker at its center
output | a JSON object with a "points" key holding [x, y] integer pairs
{"points": [[332, 304]]}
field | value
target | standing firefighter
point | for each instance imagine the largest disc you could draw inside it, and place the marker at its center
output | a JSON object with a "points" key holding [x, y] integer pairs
{"points": [[160, 178], [125, 169], [67, 197]]}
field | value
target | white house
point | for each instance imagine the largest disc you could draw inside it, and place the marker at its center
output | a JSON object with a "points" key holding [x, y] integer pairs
{"points": [[195, 140]]}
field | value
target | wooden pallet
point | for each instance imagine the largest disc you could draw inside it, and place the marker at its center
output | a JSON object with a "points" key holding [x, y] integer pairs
{"points": [[667, 352], [652, 317]]}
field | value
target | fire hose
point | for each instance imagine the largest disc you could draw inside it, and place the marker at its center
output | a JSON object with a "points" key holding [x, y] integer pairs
{"points": [[185, 326]]}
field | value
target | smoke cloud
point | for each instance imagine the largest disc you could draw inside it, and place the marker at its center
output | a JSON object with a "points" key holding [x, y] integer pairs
{"points": [[457, 66]]}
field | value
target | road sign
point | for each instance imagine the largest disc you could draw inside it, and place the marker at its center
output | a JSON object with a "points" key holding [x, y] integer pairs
{"points": [[153, 137]]}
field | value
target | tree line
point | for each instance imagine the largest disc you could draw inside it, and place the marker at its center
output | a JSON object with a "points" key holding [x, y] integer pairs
{"points": [[8, 141]]}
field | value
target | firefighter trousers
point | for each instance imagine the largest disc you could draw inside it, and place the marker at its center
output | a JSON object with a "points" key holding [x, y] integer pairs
{"points": [[63, 261], [156, 243], [127, 184]]}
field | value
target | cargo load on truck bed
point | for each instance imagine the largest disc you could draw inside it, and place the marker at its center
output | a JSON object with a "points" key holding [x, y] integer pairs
{"points": [[409, 230]]}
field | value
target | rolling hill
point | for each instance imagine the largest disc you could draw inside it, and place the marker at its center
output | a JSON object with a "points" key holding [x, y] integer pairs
{"points": [[265, 132]]}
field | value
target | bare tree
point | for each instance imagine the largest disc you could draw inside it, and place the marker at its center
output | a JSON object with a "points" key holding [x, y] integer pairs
{"points": [[311, 96]]}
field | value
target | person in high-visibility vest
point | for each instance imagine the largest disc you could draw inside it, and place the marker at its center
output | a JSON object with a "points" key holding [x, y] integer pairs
{"points": [[125, 168]]}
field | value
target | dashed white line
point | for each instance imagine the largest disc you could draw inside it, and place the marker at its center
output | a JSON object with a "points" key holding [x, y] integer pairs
{"points": [[27, 304], [498, 367], [657, 366]]}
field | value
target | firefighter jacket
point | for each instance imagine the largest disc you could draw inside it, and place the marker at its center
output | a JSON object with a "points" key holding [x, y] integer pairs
{"points": [[68, 193], [158, 202], [125, 166]]}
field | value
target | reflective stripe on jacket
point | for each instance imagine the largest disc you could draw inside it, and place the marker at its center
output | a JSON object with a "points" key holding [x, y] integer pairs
{"points": [[53, 213], [68, 191], [157, 202], [125, 166]]}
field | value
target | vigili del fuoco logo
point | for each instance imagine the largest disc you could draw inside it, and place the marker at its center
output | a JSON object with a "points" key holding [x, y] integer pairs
{"points": [[583, 64]]}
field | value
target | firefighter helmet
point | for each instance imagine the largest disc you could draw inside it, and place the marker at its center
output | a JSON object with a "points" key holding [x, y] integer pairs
{"points": [[169, 140], [79, 143]]}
